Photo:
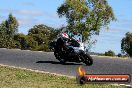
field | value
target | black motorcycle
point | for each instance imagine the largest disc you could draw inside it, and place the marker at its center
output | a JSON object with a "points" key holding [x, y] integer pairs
{"points": [[71, 52]]}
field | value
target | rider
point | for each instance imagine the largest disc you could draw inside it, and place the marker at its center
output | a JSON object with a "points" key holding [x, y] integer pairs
{"points": [[62, 41]]}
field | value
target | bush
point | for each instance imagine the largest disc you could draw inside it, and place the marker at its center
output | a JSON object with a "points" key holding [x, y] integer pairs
{"points": [[110, 53], [42, 48], [119, 55]]}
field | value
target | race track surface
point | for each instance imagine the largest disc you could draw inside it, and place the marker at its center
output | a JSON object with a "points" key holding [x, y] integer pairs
{"points": [[45, 61]]}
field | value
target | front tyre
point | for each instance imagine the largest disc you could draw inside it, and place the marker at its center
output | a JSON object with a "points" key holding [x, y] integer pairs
{"points": [[88, 60]]}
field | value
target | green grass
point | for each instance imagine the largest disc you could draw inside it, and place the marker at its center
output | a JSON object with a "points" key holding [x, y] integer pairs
{"points": [[16, 78], [123, 57]]}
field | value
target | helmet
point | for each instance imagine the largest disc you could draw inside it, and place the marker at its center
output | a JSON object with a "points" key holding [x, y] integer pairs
{"points": [[64, 35]]}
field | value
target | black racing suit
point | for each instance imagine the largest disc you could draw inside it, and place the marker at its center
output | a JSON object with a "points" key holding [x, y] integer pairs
{"points": [[59, 44]]}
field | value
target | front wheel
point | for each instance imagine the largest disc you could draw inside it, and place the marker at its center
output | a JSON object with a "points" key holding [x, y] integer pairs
{"points": [[88, 60]]}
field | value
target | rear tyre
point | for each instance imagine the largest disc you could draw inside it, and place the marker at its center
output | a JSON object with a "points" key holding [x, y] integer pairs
{"points": [[88, 60], [61, 59]]}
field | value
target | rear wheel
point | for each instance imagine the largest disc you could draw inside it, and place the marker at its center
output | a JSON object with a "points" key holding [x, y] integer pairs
{"points": [[88, 60], [62, 61], [60, 58]]}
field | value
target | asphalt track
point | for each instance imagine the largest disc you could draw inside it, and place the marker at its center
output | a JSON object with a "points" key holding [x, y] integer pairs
{"points": [[45, 61]]}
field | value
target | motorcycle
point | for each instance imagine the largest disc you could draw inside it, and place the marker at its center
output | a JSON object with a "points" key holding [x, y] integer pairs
{"points": [[72, 51]]}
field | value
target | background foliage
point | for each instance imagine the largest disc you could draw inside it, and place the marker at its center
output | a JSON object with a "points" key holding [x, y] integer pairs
{"points": [[86, 17], [110, 53], [38, 36], [126, 44]]}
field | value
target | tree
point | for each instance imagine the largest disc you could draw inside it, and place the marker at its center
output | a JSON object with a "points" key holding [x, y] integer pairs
{"points": [[110, 53], [12, 25], [21, 41], [11, 29], [54, 33], [3, 35], [8, 29], [86, 16], [42, 34], [126, 44], [32, 44]]}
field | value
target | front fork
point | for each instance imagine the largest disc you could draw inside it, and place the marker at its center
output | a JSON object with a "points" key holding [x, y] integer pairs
{"points": [[81, 56]]}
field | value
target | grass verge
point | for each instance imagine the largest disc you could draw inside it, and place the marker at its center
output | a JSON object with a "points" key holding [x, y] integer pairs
{"points": [[114, 57], [17, 78]]}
